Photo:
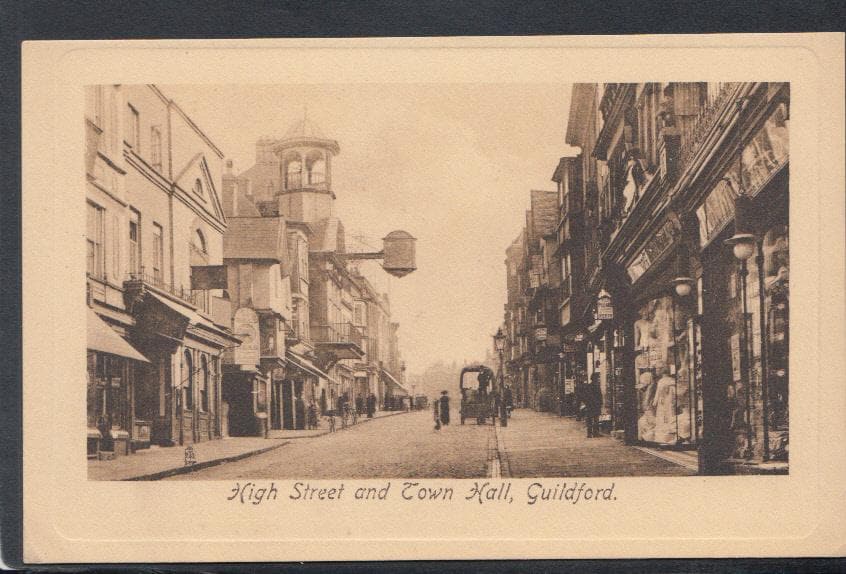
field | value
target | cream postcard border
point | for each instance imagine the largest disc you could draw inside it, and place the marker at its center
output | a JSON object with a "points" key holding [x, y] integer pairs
{"points": [[68, 519]]}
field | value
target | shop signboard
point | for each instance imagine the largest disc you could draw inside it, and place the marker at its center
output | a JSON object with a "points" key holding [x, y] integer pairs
{"points": [[569, 386], [764, 155], [604, 309], [569, 347], [656, 248], [540, 334], [246, 328]]}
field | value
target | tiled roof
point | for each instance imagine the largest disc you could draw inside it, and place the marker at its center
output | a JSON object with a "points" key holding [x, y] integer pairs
{"points": [[254, 238]]}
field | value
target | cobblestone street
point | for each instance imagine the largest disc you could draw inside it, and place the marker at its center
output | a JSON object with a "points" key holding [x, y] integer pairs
{"points": [[533, 445]]}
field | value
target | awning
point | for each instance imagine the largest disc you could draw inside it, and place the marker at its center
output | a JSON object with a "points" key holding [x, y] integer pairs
{"points": [[306, 365], [390, 379], [186, 312], [103, 338]]}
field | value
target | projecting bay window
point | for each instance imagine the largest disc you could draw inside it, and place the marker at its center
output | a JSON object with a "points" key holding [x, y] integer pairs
{"points": [[94, 237]]}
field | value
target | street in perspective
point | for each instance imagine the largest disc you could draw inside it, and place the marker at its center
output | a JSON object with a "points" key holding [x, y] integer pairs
{"points": [[563, 280]]}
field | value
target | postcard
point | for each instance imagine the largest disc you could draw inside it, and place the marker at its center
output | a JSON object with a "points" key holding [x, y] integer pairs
{"points": [[366, 299]]}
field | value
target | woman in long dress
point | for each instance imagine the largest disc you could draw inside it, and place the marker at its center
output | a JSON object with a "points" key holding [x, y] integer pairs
{"points": [[665, 403]]}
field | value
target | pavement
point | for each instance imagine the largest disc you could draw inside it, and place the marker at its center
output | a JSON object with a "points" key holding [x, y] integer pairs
{"points": [[158, 462], [544, 444]]}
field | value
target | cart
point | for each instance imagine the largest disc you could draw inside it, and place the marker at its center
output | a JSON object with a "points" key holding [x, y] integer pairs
{"points": [[478, 400]]}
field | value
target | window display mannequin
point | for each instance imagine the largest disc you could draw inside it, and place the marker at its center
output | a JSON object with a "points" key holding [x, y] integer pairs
{"points": [[665, 407], [645, 394]]}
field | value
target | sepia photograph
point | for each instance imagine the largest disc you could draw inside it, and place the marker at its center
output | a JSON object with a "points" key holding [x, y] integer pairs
{"points": [[433, 298], [451, 281]]}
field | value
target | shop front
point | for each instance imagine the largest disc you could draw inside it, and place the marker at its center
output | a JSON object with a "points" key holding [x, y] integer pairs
{"points": [[179, 393], [113, 364], [747, 306], [661, 338]]}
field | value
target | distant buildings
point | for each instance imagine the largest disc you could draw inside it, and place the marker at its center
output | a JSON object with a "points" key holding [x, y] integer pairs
{"points": [[220, 304], [668, 271]]}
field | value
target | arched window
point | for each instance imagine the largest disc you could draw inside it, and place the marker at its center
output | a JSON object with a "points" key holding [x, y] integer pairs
{"points": [[204, 384], [293, 171], [198, 187], [188, 381], [315, 168]]}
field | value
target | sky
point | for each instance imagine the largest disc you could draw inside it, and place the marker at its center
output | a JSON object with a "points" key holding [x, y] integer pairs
{"points": [[452, 164]]}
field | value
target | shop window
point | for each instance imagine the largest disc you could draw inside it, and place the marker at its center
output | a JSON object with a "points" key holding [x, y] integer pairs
{"points": [[188, 381], [204, 384], [662, 371]]}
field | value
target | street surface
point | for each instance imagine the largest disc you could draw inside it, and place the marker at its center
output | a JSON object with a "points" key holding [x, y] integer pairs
{"points": [[407, 446]]}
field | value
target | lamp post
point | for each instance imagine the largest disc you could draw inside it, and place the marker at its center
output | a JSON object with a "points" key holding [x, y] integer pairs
{"points": [[499, 343], [743, 247]]}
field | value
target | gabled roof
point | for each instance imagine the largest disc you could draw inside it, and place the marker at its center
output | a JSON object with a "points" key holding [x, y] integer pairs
{"points": [[257, 238], [184, 180]]}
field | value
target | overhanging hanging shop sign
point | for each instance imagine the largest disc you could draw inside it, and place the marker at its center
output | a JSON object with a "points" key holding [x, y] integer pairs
{"points": [[604, 307], [660, 244]]}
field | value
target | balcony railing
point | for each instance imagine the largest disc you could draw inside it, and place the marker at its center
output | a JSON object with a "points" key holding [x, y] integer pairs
{"points": [[218, 309], [338, 333], [155, 280]]}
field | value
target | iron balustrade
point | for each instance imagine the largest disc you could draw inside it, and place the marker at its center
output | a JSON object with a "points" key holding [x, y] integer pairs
{"points": [[338, 333]]}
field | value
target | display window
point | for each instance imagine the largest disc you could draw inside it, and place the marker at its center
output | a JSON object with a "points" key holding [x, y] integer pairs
{"points": [[663, 373]]}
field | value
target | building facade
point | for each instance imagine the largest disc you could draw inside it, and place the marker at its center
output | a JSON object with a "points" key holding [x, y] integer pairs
{"points": [[339, 327], [673, 247], [154, 233]]}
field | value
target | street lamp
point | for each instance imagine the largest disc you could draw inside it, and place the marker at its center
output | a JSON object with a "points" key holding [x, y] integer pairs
{"points": [[743, 247], [499, 344]]}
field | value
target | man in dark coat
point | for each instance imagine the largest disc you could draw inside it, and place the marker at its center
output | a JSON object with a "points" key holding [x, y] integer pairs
{"points": [[592, 397], [444, 408], [371, 405]]}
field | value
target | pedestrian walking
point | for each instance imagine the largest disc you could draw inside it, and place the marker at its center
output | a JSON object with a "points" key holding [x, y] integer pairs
{"points": [[437, 414], [509, 400], [359, 404], [444, 407], [371, 405], [593, 402], [311, 416]]}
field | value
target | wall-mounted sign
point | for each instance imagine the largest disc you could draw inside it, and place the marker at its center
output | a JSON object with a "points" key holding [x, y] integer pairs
{"points": [[570, 348], [246, 328], [569, 386], [540, 334], [604, 308], [208, 277], [660, 243]]}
